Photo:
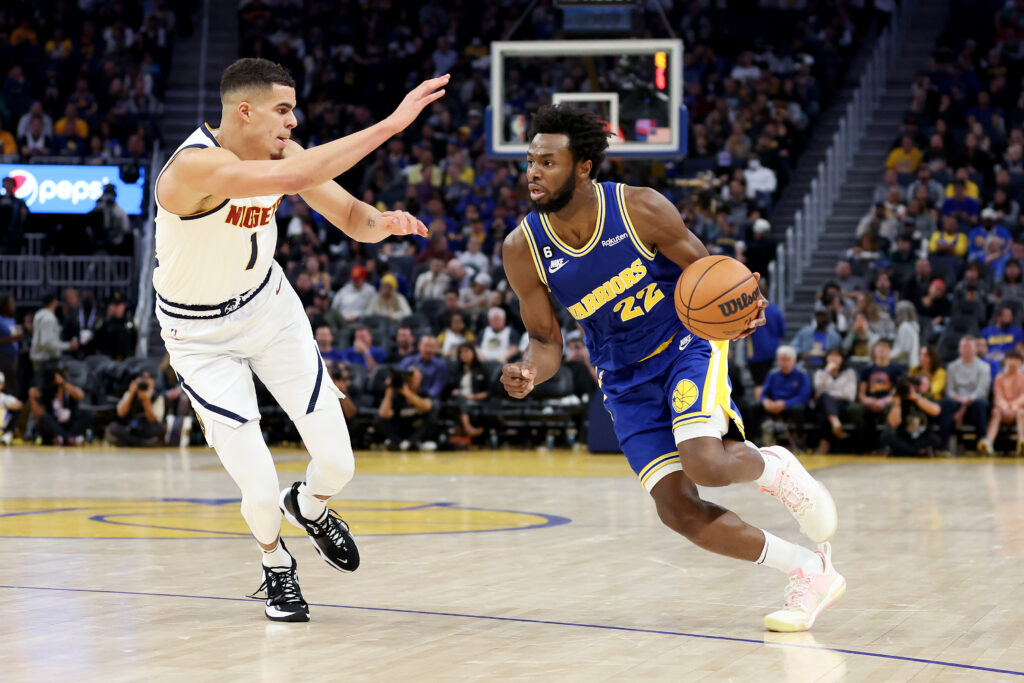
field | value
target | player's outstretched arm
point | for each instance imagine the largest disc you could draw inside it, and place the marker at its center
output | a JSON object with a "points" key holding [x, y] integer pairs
{"points": [[355, 218], [543, 356], [217, 172], [660, 226]]}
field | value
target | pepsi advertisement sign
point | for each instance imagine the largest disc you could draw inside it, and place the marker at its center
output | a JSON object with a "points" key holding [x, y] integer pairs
{"points": [[59, 188]]}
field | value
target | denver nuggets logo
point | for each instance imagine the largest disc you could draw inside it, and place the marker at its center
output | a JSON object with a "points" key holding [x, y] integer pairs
{"points": [[684, 395]]}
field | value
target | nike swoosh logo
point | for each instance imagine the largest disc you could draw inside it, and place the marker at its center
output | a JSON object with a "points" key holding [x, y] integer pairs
{"points": [[278, 289], [685, 341], [556, 266]]}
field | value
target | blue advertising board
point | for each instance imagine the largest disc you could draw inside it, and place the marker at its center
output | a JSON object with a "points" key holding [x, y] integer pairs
{"points": [[60, 188]]}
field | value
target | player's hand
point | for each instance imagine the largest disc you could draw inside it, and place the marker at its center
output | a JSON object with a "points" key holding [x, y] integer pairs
{"points": [[518, 378], [418, 98], [756, 322], [400, 223]]}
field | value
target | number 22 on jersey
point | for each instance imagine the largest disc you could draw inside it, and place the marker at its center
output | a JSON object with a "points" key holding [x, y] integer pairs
{"points": [[642, 302]]}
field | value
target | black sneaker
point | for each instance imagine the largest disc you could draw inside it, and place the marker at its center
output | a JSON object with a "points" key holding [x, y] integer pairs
{"points": [[329, 534], [284, 599]]}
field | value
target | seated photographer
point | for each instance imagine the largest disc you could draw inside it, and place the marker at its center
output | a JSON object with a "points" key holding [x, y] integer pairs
{"points": [[408, 411], [910, 417], [138, 424], [53, 404], [342, 378]]}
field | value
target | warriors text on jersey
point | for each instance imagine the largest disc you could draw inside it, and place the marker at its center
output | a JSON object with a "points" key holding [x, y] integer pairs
{"points": [[618, 290], [218, 254]]}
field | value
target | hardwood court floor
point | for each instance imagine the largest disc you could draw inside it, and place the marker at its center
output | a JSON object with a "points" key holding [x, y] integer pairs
{"points": [[134, 565]]}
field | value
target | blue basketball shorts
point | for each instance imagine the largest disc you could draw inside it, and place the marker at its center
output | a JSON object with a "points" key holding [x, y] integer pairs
{"points": [[679, 393]]}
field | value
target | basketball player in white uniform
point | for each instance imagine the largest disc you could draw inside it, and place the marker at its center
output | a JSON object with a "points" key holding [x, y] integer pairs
{"points": [[227, 311]]}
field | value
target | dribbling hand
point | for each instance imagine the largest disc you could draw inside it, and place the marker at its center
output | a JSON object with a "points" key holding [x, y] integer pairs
{"points": [[518, 378], [762, 304], [417, 99], [400, 223]]}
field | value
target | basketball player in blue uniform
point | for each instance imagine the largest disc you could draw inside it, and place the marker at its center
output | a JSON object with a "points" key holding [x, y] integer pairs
{"points": [[611, 254]]}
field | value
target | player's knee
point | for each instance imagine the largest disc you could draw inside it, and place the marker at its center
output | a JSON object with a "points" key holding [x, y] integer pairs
{"points": [[705, 462], [336, 469]]}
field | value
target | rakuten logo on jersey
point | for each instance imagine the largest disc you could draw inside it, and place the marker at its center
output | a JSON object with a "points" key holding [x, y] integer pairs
{"points": [[34, 193]]}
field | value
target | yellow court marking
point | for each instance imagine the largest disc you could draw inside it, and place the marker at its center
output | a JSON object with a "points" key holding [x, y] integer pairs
{"points": [[212, 518]]}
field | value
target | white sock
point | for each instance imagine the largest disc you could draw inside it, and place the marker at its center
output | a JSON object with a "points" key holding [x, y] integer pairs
{"points": [[788, 557], [772, 465], [311, 507], [277, 558]]}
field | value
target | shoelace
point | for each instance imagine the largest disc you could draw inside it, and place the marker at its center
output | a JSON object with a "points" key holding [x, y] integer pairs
{"points": [[791, 495], [279, 587], [333, 527], [796, 591]]}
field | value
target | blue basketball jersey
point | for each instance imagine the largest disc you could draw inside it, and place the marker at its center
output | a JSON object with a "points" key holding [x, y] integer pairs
{"points": [[619, 291]]}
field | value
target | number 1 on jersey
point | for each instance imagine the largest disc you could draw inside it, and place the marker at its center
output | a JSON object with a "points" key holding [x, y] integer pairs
{"points": [[252, 258]]}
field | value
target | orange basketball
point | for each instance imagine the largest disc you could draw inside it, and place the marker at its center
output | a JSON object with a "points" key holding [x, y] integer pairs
{"points": [[716, 297]]}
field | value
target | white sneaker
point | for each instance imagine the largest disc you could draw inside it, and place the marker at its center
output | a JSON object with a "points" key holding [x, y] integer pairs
{"points": [[806, 498], [807, 596], [985, 447]]}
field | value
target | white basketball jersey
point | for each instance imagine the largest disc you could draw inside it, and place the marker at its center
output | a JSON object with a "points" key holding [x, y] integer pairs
{"points": [[216, 255]]}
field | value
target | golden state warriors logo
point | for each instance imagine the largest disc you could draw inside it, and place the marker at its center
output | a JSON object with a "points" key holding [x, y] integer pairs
{"points": [[684, 395]]}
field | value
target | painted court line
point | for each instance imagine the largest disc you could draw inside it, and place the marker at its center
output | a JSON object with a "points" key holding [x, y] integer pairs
{"points": [[545, 622]]}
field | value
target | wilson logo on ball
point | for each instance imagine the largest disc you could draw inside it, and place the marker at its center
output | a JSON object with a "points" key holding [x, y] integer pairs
{"points": [[731, 307]]}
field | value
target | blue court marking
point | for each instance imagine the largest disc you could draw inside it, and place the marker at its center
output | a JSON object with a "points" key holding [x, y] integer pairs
{"points": [[544, 622], [549, 520]]}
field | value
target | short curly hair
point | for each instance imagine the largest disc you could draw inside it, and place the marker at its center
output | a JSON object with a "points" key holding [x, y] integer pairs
{"points": [[588, 136], [253, 72]]}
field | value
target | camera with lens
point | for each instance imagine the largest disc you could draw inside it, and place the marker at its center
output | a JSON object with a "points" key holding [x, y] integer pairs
{"points": [[399, 377]]}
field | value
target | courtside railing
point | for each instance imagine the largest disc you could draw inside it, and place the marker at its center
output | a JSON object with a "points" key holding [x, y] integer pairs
{"points": [[801, 240]]}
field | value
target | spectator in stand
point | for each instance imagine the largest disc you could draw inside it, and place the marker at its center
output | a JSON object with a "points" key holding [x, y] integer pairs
{"points": [[35, 141], [432, 283], [874, 394], [935, 192], [905, 158], [388, 302], [577, 360], [929, 367], [935, 305], [883, 293], [36, 110], [981, 350], [454, 335], [979, 237], [1007, 210], [325, 343], [1007, 403], [1010, 286], [405, 345], [850, 284], [476, 299], [9, 408], [116, 335], [433, 367], [70, 132], [363, 352], [968, 380], [320, 282], [909, 418], [761, 182], [498, 341], [867, 252], [138, 425], [473, 256], [761, 247], [835, 388], [858, 341], [354, 298], [916, 288], [764, 342], [963, 208], [46, 343], [727, 242], [1004, 335], [880, 222], [948, 247], [786, 396], [814, 340], [907, 347], [890, 181]]}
